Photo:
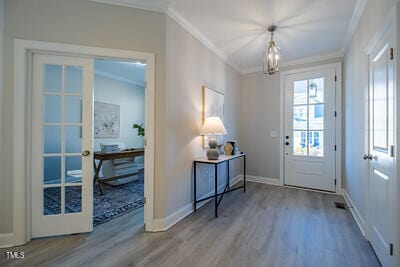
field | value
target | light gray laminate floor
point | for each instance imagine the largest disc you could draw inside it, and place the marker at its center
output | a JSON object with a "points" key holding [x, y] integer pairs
{"points": [[266, 226]]}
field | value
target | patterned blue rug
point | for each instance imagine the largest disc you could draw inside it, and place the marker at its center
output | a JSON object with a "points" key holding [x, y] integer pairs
{"points": [[116, 200]]}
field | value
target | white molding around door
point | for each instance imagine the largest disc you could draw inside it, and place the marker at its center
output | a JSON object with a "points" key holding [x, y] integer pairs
{"points": [[24, 50], [338, 125]]}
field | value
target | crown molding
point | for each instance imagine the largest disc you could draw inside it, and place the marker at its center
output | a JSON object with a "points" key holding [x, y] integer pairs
{"points": [[118, 78], [158, 6], [355, 19], [307, 60], [184, 23]]}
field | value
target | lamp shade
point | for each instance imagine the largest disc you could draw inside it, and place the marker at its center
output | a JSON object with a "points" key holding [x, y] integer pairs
{"points": [[213, 126]]}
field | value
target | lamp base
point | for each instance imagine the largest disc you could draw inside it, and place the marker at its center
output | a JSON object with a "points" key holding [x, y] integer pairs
{"points": [[212, 154]]}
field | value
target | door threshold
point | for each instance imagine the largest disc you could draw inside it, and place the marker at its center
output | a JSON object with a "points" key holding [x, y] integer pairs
{"points": [[311, 189]]}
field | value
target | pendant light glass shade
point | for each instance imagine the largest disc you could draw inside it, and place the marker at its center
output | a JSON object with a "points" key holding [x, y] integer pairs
{"points": [[271, 55]]}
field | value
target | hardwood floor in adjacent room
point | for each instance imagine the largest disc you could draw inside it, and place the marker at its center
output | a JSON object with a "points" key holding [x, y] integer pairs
{"points": [[266, 226]]}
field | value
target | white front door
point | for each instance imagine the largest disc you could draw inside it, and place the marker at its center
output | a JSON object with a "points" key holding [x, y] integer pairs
{"points": [[381, 155], [61, 156], [310, 129]]}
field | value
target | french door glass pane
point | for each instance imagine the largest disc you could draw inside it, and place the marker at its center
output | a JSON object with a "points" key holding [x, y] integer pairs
{"points": [[73, 79], [300, 92], [52, 200], [73, 109], [52, 139], [316, 91], [52, 78], [73, 169], [300, 117], [316, 143], [73, 199], [300, 143], [73, 139], [52, 170], [52, 109], [316, 117]]}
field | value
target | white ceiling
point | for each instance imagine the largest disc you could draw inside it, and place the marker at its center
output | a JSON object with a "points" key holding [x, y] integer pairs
{"points": [[236, 29], [129, 72]]}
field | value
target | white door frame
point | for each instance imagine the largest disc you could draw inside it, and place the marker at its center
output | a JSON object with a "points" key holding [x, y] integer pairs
{"points": [[338, 127], [392, 20], [23, 53]]}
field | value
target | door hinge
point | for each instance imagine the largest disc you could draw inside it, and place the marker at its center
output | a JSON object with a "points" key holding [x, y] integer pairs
{"points": [[145, 84], [335, 113], [392, 151], [335, 78], [391, 249], [144, 200], [335, 147], [335, 181], [391, 53], [145, 142]]}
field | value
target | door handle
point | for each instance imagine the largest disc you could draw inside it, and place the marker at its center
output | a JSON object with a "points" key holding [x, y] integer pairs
{"points": [[86, 153], [368, 157]]}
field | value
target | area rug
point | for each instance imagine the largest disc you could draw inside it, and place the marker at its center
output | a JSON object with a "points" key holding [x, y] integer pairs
{"points": [[116, 200]]}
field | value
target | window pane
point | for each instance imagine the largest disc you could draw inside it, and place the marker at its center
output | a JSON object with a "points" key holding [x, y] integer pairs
{"points": [[316, 117], [52, 78], [73, 109], [73, 199], [300, 92], [73, 139], [73, 79], [316, 91], [52, 170], [300, 143], [73, 169], [52, 139], [52, 109], [52, 200], [300, 117], [316, 144]]}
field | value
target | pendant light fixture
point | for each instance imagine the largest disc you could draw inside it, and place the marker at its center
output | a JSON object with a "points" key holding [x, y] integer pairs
{"points": [[271, 55]]}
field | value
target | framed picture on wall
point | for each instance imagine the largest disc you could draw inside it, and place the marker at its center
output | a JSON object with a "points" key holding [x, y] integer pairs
{"points": [[213, 105], [106, 120]]}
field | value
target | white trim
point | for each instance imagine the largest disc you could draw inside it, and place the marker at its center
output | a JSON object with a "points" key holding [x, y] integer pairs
{"points": [[1, 96], [165, 223], [184, 23], [6, 240], [303, 61], [23, 53], [354, 211], [355, 19], [155, 6], [263, 180], [338, 127], [118, 78]]}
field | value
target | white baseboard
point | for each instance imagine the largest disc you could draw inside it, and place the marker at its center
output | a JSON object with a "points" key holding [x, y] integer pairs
{"points": [[262, 180], [6, 240], [354, 211], [164, 224]]}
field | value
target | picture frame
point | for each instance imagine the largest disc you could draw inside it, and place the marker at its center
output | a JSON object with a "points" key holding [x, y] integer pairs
{"points": [[213, 105]]}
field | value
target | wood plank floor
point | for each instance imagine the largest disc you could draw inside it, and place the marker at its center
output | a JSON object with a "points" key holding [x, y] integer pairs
{"points": [[266, 226]]}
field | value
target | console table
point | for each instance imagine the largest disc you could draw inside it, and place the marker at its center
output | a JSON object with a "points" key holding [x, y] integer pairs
{"points": [[222, 159], [101, 156]]}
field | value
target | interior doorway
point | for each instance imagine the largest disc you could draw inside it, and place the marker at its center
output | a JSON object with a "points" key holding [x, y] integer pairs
{"points": [[25, 52]]}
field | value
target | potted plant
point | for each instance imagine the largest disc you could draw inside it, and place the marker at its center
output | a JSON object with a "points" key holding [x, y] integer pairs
{"points": [[140, 129]]}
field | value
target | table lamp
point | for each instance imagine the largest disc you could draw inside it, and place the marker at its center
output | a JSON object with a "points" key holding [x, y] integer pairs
{"points": [[213, 126]]}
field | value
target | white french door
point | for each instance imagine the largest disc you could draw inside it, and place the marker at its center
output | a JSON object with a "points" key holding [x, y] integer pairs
{"points": [[381, 156], [310, 129], [61, 159]]}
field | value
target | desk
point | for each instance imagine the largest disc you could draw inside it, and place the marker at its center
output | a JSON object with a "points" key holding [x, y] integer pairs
{"points": [[222, 159], [101, 156]]}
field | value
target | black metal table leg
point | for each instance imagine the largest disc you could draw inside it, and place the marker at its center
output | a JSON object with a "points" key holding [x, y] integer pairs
{"points": [[227, 179], [194, 188], [216, 190], [244, 173]]}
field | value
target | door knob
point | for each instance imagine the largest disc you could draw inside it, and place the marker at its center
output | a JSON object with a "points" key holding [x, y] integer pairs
{"points": [[367, 157], [86, 153]]}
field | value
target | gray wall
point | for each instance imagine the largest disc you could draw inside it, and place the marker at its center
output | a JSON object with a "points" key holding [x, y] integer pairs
{"points": [[190, 65], [355, 100], [2, 180], [83, 23]]}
